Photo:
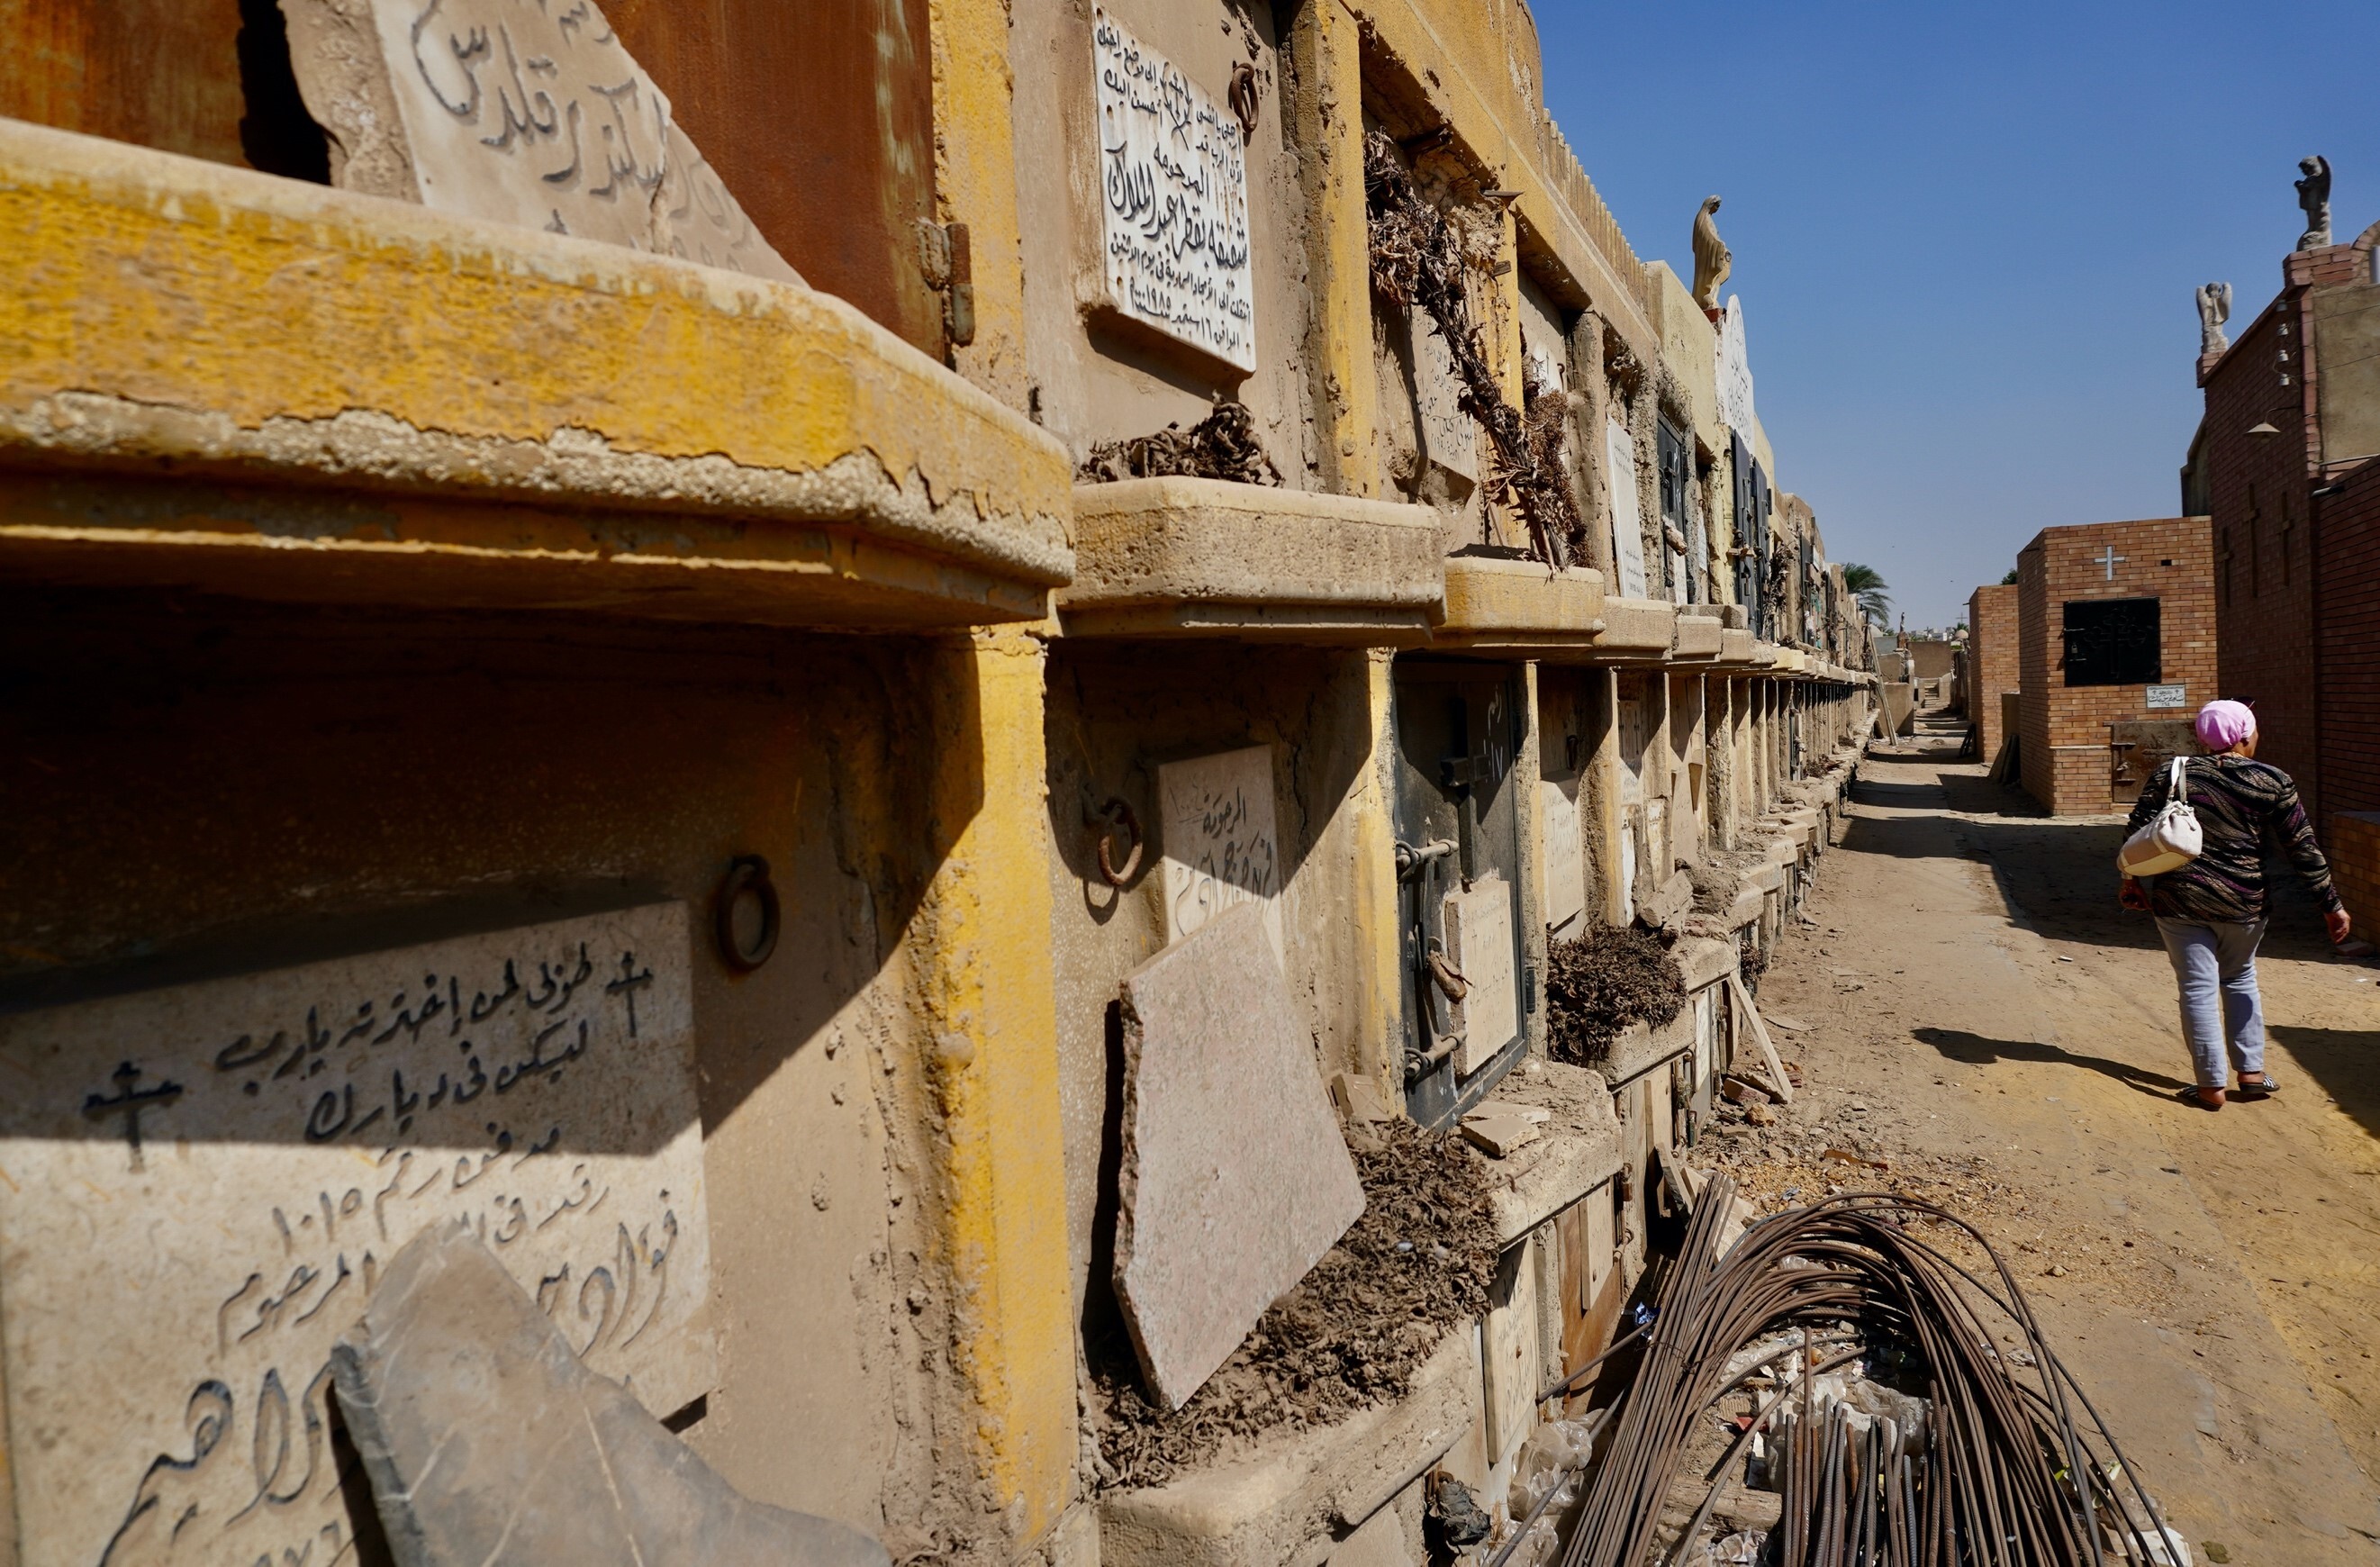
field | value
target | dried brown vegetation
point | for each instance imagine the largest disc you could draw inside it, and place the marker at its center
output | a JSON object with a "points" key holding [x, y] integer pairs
{"points": [[1352, 1332], [1417, 260], [1222, 446], [1601, 983]]}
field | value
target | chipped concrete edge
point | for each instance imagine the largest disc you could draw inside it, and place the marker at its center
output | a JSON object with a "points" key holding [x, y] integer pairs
{"points": [[366, 449], [898, 446], [1190, 541]]}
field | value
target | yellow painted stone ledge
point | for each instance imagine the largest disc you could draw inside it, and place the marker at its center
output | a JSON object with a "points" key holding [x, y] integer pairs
{"points": [[1517, 605], [1185, 556], [158, 312]]}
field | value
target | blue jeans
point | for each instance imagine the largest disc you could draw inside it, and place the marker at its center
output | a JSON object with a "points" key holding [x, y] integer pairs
{"points": [[2212, 956]]}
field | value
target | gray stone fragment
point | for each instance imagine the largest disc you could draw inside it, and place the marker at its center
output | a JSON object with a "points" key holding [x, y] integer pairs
{"points": [[1235, 1179], [487, 1442]]}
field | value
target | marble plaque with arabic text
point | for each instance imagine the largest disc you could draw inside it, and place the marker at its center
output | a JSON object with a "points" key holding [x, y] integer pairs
{"points": [[1216, 830], [200, 1186], [1173, 199], [527, 112]]}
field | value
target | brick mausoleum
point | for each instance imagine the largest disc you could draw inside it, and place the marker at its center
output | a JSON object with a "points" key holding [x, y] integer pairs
{"points": [[2116, 654]]}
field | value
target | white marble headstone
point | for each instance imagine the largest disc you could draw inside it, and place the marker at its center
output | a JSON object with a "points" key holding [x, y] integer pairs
{"points": [[1627, 516], [1563, 890], [1449, 437], [1734, 371], [1216, 830], [1479, 944], [527, 112], [1173, 199], [201, 1185]]}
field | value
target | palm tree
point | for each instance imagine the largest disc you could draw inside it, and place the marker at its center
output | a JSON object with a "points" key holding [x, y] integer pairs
{"points": [[1868, 585]]}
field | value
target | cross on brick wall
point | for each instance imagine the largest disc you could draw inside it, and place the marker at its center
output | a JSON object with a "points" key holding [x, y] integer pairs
{"points": [[2108, 558]]}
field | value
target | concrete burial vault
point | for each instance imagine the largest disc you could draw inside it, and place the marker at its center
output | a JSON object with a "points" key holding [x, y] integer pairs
{"points": [[488, 1442], [1235, 1178]]}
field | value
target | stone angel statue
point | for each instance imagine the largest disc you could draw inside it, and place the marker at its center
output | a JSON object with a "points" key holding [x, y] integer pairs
{"points": [[1713, 260], [2214, 310], [2313, 196]]}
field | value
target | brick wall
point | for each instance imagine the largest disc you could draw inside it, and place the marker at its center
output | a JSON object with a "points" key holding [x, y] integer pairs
{"points": [[2348, 643], [2066, 760], [1991, 660], [2259, 493], [2355, 867]]}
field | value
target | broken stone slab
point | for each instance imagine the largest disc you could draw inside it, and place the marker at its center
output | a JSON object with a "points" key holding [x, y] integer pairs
{"points": [[1499, 1135], [1536, 1114], [1703, 961], [1235, 1178], [519, 113], [487, 1442], [1667, 904], [1360, 1098]]}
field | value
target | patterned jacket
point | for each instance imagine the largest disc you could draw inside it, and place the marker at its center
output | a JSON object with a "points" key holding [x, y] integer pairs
{"points": [[2240, 802]]}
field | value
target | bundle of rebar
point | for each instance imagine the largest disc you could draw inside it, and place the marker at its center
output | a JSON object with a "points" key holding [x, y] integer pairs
{"points": [[1999, 1470]]}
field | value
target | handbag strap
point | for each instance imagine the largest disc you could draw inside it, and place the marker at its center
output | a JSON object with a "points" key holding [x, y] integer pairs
{"points": [[2177, 790]]}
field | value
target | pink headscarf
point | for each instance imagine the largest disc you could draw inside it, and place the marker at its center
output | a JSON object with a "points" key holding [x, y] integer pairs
{"points": [[2223, 725]]}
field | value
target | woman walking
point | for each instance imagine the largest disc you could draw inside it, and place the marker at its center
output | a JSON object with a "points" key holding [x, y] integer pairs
{"points": [[2211, 911]]}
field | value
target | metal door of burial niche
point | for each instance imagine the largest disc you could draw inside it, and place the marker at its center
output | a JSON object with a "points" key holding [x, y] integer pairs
{"points": [[1468, 991]]}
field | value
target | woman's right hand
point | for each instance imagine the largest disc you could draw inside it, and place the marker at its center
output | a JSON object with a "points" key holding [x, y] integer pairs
{"points": [[2132, 895], [2339, 925]]}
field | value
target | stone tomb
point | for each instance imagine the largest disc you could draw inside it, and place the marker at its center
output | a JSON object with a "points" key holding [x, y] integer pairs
{"points": [[520, 111], [1235, 1178], [1173, 186], [1221, 850], [201, 1185]]}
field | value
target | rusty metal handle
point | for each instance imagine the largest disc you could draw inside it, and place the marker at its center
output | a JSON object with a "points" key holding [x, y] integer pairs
{"points": [[748, 875], [1115, 814]]}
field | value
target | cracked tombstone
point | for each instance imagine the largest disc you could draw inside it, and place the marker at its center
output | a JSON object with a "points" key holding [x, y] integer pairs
{"points": [[517, 111], [206, 1181], [1235, 1179], [487, 1442]]}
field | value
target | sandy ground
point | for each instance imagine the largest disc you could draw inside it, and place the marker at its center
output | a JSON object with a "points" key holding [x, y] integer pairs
{"points": [[1979, 1015]]}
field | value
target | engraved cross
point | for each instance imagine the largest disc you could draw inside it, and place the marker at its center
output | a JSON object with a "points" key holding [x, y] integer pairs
{"points": [[130, 1102]]}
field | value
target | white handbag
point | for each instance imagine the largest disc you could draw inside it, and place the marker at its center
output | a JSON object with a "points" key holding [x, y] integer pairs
{"points": [[2170, 842]]}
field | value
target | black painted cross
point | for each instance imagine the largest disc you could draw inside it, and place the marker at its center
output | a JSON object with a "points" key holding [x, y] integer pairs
{"points": [[130, 1102]]}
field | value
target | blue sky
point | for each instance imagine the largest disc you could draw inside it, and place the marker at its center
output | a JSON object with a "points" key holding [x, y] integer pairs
{"points": [[1966, 236]]}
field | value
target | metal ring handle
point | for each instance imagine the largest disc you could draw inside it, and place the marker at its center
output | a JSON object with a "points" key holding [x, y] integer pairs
{"points": [[747, 873], [1116, 813]]}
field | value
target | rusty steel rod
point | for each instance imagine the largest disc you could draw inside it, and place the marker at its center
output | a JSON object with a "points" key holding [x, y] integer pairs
{"points": [[2000, 1470]]}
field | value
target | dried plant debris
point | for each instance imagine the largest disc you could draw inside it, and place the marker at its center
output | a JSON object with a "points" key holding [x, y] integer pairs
{"points": [[1603, 982], [1417, 260], [1751, 959], [1352, 1332], [1222, 446], [1718, 877]]}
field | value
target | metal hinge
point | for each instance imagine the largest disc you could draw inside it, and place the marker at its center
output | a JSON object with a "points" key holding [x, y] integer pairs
{"points": [[946, 255]]}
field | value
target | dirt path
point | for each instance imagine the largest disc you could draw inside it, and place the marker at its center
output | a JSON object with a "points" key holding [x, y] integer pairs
{"points": [[1979, 1015]]}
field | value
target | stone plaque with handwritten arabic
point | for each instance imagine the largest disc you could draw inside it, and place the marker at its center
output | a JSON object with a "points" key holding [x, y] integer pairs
{"points": [[527, 112], [200, 1186], [1173, 199], [1216, 829]]}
